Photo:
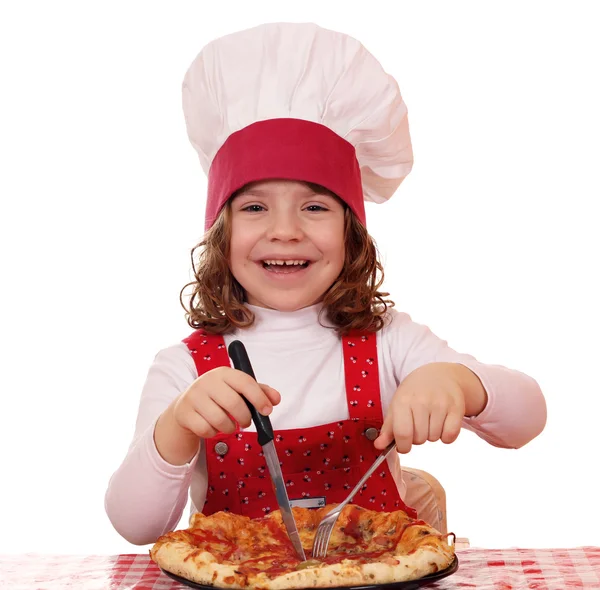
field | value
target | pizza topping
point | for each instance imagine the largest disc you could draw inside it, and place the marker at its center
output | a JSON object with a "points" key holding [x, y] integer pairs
{"points": [[384, 541], [352, 527], [308, 563], [259, 551]]}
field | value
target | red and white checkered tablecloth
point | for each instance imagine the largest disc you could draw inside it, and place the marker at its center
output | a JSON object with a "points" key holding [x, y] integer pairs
{"points": [[485, 569]]}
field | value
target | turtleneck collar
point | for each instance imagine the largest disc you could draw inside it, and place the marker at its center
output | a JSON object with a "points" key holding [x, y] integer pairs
{"points": [[301, 325]]}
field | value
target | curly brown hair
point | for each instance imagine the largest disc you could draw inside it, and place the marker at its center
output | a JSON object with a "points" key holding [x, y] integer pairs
{"points": [[353, 303]]}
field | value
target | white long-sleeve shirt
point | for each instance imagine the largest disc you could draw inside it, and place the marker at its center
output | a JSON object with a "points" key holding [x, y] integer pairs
{"points": [[303, 360]]}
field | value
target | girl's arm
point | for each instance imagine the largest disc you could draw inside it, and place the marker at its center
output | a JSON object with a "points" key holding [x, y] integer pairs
{"points": [[513, 411], [146, 496]]}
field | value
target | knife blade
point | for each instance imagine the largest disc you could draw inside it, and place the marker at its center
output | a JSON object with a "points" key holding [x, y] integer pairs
{"points": [[264, 430]]}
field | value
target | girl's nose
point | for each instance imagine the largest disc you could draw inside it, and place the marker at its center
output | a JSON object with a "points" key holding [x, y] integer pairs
{"points": [[284, 226]]}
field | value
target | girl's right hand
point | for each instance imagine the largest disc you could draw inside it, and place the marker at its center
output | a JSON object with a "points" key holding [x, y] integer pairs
{"points": [[203, 410], [207, 406]]}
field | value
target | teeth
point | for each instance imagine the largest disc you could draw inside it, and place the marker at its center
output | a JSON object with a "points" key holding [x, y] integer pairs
{"points": [[285, 262]]}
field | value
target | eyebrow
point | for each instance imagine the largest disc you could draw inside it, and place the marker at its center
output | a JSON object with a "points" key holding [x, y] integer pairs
{"points": [[257, 192], [260, 192]]}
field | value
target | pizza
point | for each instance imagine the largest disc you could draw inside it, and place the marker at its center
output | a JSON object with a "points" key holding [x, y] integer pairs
{"points": [[227, 550]]}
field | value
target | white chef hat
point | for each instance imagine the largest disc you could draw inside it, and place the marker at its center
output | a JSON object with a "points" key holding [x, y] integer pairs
{"points": [[296, 101]]}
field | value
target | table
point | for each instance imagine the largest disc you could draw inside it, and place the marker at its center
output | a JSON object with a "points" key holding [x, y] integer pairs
{"points": [[485, 569]]}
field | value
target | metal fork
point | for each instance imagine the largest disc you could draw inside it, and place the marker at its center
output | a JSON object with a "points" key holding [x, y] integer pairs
{"points": [[326, 525]]}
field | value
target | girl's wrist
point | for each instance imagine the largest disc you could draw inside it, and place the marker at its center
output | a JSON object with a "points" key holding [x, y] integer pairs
{"points": [[175, 444], [473, 390]]}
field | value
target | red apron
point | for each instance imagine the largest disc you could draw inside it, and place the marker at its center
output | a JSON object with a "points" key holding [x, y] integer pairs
{"points": [[320, 464]]}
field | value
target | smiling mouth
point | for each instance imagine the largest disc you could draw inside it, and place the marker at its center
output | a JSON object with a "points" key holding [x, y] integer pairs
{"points": [[285, 266]]}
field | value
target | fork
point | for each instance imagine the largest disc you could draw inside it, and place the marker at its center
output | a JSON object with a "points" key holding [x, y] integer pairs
{"points": [[323, 534]]}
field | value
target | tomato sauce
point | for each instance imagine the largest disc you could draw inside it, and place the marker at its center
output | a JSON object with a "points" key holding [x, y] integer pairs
{"points": [[351, 528]]}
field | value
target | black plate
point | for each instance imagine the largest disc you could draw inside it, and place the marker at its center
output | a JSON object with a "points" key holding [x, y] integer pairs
{"points": [[409, 585]]}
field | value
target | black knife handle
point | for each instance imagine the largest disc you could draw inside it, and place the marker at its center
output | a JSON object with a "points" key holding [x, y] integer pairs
{"points": [[241, 362]]}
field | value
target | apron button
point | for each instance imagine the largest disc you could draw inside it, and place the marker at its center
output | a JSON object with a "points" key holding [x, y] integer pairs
{"points": [[372, 433], [221, 448]]}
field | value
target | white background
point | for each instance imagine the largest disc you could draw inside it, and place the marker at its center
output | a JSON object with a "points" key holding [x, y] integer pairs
{"points": [[492, 241]]}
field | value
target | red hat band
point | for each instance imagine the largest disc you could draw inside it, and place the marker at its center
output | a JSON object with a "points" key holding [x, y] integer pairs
{"points": [[290, 149]]}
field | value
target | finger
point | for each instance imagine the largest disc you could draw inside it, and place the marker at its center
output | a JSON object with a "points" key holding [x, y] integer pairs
{"points": [[437, 417], [403, 428], [452, 426], [199, 426], [233, 403], [215, 416], [420, 419], [250, 389], [386, 434], [273, 395]]}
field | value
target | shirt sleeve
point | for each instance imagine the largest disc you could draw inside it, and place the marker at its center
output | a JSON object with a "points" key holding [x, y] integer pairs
{"points": [[516, 409], [146, 496]]}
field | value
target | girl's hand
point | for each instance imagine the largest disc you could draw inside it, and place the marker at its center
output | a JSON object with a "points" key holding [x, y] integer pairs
{"points": [[207, 407], [430, 404], [212, 400]]}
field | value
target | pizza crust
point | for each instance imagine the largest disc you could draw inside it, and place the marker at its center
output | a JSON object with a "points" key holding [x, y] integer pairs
{"points": [[202, 568], [348, 573]]}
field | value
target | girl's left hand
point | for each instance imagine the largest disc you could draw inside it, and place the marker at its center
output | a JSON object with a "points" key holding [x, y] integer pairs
{"points": [[429, 405]]}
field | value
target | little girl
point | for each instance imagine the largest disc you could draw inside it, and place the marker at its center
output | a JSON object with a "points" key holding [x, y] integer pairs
{"points": [[296, 127]]}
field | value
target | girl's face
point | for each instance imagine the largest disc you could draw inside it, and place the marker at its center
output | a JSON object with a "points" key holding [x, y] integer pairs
{"points": [[287, 243]]}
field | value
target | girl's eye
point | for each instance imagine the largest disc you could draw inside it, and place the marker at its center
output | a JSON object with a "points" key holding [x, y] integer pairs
{"points": [[316, 208], [253, 208]]}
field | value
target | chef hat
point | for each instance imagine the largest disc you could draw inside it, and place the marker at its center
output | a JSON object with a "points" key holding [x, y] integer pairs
{"points": [[299, 102]]}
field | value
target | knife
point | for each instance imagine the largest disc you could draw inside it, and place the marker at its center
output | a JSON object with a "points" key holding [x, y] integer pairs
{"points": [[240, 359]]}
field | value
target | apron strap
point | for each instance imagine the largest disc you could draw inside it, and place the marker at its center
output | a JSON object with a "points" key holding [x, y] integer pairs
{"points": [[207, 350], [362, 376]]}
